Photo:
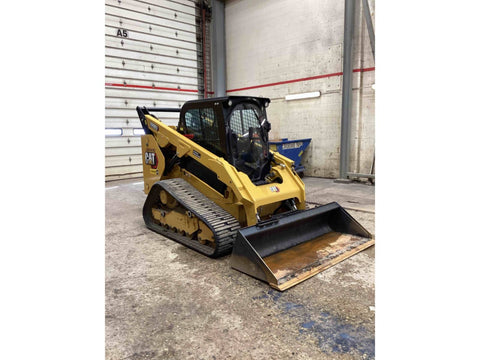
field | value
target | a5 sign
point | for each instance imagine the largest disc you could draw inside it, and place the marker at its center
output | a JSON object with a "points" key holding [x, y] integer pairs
{"points": [[122, 33]]}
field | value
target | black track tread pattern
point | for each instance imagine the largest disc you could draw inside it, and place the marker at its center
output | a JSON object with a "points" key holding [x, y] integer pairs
{"points": [[223, 225]]}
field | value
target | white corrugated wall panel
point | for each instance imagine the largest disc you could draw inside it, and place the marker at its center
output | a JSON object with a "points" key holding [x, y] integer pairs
{"points": [[150, 60]]}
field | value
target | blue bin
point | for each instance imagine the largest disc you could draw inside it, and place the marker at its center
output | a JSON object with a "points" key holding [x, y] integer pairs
{"points": [[293, 149]]}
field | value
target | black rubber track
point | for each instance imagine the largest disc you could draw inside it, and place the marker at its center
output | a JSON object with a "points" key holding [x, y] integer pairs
{"points": [[223, 225]]}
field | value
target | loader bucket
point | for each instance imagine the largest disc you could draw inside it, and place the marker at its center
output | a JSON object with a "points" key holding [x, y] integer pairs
{"points": [[288, 250]]}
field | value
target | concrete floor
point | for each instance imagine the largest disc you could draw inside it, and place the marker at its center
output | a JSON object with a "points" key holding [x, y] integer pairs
{"points": [[165, 301]]}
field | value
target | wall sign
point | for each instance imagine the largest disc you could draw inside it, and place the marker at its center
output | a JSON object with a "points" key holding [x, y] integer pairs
{"points": [[122, 33]]}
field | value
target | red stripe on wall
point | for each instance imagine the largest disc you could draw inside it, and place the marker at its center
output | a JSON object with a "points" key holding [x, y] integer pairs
{"points": [[245, 88], [363, 70], [302, 79], [154, 88]]}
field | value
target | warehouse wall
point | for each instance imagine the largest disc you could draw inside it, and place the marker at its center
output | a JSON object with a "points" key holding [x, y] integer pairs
{"points": [[274, 41]]}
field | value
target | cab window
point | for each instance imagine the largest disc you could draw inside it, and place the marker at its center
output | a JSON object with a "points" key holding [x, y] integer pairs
{"points": [[202, 124]]}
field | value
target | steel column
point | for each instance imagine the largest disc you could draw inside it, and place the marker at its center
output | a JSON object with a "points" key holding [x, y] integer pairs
{"points": [[347, 88], [368, 20], [218, 48]]}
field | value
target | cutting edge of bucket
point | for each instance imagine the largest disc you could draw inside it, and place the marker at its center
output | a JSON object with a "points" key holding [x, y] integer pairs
{"points": [[324, 266]]}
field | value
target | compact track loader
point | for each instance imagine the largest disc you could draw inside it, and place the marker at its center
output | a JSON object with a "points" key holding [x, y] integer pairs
{"points": [[213, 185]]}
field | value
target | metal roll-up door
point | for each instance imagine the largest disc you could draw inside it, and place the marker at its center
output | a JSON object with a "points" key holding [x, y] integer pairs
{"points": [[151, 59]]}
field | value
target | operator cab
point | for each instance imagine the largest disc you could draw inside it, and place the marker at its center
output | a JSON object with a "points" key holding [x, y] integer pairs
{"points": [[233, 127]]}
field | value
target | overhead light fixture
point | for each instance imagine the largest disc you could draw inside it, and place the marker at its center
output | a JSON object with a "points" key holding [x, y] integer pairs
{"points": [[308, 95]]}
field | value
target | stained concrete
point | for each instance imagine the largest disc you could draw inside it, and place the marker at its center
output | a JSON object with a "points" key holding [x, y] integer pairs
{"points": [[164, 301]]}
